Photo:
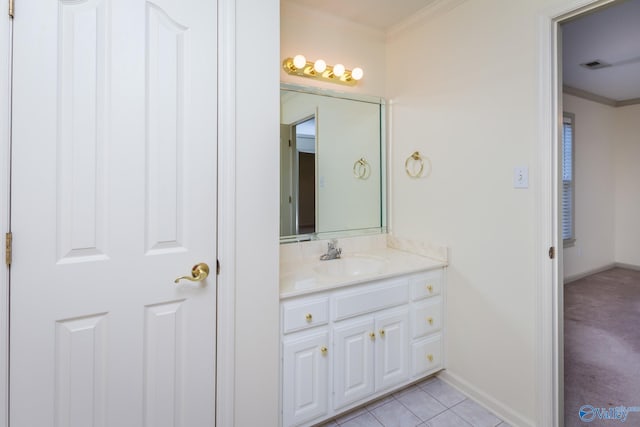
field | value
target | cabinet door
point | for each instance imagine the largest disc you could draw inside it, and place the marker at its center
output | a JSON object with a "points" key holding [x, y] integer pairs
{"points": [[305, 392], [353, 361], [392, 348]]}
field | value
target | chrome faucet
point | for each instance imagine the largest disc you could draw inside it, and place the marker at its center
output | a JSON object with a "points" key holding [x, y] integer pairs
{"points": [[333, 251]]}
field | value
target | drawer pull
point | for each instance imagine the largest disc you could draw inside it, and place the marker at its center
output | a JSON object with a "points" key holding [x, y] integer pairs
{"points": [[309, 317], [324, 350], [430, 357], [382, 332], [430, 288], [372, 335], [430, 320]]}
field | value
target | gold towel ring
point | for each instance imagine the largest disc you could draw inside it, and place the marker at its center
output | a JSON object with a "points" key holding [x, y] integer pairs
{"points": [[410, 165], [361, 169]]}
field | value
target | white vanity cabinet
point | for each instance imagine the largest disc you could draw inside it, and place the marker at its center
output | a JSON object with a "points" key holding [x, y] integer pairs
{"points": [[345, 346]]}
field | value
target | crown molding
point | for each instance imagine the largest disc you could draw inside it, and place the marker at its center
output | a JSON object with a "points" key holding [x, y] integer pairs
{"points": [[584, 94]]}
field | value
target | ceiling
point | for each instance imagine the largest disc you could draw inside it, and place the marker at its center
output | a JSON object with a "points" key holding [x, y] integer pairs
{"points": [[379, 14], [611, 35]]}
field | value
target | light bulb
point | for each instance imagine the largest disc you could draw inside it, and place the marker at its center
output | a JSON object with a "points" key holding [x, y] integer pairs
{"points": [[320, 66], [299, 61], [338, 70], [357, 73]]}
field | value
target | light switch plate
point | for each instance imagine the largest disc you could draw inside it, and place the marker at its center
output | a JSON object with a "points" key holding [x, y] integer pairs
{"points": [[521, 177]]}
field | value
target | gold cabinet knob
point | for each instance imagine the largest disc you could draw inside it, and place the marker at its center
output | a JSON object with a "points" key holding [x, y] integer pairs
{"points": [[430, 357], [430, 320], [324, 350], [372, 335], [309, 317], [430, 288], [381, 332]]}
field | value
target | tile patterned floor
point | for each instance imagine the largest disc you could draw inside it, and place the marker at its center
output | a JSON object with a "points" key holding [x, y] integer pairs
{"points": [[431, 403]]}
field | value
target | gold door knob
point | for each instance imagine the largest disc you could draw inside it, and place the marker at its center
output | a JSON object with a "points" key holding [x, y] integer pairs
{"points": [[372, 335], [381, 332], [430, 288], [430, 357], [430, 320], [324, 350], [309, 317], [199, 272]]}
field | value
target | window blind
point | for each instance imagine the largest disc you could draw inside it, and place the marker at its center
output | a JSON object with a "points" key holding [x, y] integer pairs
{"points": [[567, 179]]}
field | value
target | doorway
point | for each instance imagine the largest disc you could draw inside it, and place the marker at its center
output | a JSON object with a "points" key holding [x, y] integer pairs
{"points": [[593, 98], [582, 101], [298, 178]]}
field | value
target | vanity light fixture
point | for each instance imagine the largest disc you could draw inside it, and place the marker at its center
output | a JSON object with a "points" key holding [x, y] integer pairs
{"points": [[320, 70]]}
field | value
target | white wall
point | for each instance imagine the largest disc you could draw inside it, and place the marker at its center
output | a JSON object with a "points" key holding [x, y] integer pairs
{"points": [[464, 88], [257, 187], [627, 178], [595, 137], [336, 40]]}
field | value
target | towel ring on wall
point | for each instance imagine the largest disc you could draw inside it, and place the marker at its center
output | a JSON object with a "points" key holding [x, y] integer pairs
{"points": [[361, 169], [414, 166]]}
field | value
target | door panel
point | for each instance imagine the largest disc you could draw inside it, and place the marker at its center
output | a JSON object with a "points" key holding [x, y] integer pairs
{"points": [[81, 123], [113, 197]]}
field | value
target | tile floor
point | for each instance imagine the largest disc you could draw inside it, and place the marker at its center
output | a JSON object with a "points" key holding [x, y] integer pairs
{"points": [[431, 403]]}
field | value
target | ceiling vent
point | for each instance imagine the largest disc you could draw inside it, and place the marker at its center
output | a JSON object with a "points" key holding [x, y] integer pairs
{"points": [[595, 64]]}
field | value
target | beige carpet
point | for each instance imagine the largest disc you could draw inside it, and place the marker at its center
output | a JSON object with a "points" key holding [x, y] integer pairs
{"points": [[602, 346]]}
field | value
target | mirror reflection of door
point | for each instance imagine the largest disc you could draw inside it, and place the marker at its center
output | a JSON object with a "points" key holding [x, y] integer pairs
{"points": [[305, 149], [298, 177], [287, 201]]}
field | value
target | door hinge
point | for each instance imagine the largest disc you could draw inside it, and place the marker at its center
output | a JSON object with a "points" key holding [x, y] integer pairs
{"points": [[290, 200], [217, 267], [11, 5], [552, 252], [8, 248], [289, 143]]}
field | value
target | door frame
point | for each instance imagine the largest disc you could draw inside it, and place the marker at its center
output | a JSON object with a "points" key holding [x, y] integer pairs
{"points": [[225, 347], [549, 333], [226, 211], [5, 91]]}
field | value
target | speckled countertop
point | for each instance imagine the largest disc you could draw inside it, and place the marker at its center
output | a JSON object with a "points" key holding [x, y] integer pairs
{"points": [[302, 272]]}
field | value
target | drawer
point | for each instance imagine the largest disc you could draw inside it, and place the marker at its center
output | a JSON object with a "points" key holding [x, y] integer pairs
{"points": [[426, 356], [426, 317], [426, 285], [370, 299], [304, 313]]}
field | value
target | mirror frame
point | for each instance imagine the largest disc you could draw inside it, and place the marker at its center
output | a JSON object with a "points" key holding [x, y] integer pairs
{"points": [[384, 178]]}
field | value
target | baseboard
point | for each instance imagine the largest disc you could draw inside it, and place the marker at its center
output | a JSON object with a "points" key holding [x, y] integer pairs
{"points": [[579, 276], [498, 408], [627, 266]]}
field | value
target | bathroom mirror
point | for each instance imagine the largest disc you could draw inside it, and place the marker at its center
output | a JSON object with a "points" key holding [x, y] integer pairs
{"points": [[332, 164]]}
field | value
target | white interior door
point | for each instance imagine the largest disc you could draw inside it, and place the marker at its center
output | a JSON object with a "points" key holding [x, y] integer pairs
{"points": [[113, 197]]}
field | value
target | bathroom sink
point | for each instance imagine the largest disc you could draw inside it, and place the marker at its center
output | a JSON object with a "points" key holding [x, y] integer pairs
{"points": [[352, 265]]}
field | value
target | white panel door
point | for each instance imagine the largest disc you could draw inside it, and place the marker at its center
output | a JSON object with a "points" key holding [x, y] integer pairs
{"points": [[113, 197], [392, 348], [354, 342], [305, 375]]}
